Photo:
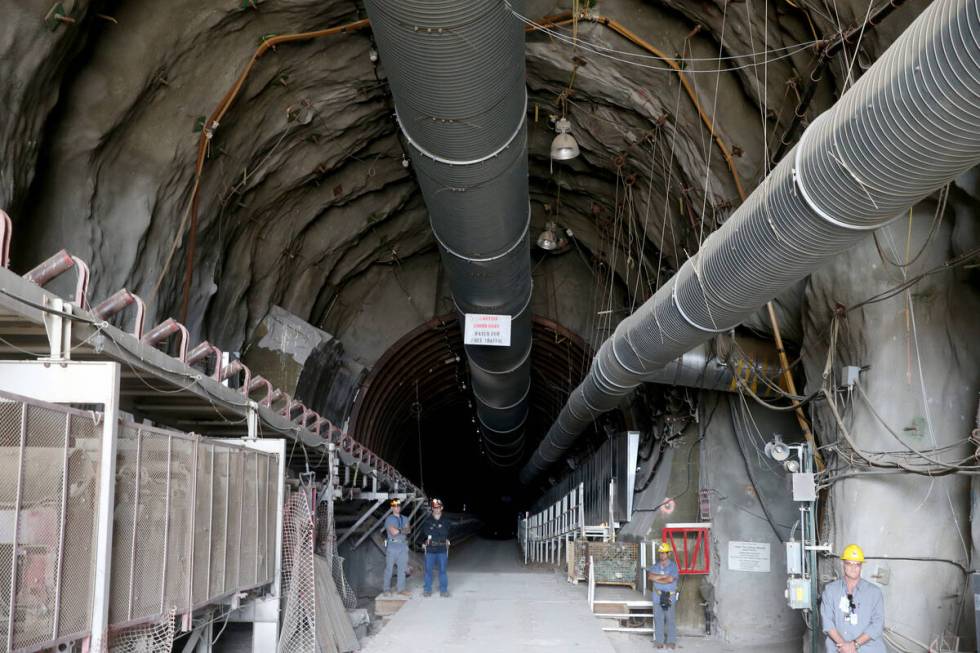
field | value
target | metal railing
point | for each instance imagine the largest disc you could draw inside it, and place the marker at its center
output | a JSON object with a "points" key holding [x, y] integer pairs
{"points": [[187, 528], [544, 535]]}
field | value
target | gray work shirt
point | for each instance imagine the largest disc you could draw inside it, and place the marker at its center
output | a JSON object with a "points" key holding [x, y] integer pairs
{"points": [[868, 614], [398, 522]]}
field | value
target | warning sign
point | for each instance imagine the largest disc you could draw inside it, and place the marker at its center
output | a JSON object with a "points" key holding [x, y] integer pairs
{"points": [[748, 556], [492, 330]]}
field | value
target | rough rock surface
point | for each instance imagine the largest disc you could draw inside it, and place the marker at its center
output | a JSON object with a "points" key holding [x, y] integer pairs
{"points": [[304, 202]]}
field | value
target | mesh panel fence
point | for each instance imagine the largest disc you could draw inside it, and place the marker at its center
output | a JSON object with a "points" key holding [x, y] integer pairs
{"points": [[153, 637], [48, 488], [299, 611], [193, 521], [346, 592]]}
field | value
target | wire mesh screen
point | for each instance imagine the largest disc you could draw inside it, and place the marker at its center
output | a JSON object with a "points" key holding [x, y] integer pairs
{"points": [[49, 465], [153, 637], [187, 522], [193, 520], [298, 580], [344, 589]]}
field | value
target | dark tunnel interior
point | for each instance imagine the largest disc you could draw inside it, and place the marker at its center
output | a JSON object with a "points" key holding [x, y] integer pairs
{"points": [[416, 411]]}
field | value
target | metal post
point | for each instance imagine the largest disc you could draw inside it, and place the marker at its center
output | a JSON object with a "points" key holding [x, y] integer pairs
{"points": [[166, 524], [207, 589], [13, 557], [136, 513], [241, 521], [224, 542], [107, 502], [258, 518], [193, 525], [56, 620]]}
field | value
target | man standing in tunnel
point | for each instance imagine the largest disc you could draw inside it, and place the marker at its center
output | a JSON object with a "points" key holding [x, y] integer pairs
{"points": [[852, 609], [436, 549], [664, 574], [396, 551]]}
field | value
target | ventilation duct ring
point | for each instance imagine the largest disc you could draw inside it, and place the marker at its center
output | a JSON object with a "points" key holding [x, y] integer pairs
{"points": [[520, 424], [680, 309], [489, 405], [800, 186], [513, 369], [527, 302], [517, 243], [451, 162]]}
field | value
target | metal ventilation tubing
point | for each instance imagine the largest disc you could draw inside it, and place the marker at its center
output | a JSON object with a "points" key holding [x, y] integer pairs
{"points": [[456, 70], [910, 125]]}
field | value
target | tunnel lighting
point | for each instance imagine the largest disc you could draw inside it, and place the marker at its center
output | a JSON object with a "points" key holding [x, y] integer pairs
{"points": [[552, 238], [792, 466], [564, 147]]}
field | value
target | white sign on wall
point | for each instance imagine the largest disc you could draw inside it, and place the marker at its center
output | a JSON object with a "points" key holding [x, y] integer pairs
{"points": [[492, 330], [748, 556]]}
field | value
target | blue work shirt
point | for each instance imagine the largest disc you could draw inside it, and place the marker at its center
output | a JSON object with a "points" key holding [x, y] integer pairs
{"points": [[398, 522], [668, 568], [868, 614]]}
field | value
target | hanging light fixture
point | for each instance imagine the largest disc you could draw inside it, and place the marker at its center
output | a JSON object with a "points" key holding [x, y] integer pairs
{"points": [[547, 240], [564, 147], [553, 238]]}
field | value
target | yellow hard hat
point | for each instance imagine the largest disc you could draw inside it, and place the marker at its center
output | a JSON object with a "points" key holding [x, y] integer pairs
{"points": [[664, 547], [852, 553]]}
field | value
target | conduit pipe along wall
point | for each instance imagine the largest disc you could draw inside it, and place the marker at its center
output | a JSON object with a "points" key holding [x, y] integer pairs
{"points": [[910, 125], [456, 70]]}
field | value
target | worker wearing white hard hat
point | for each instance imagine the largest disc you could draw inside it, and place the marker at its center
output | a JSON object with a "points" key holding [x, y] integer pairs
{"points": [[436, 544], [852, 609], [664, 573]]}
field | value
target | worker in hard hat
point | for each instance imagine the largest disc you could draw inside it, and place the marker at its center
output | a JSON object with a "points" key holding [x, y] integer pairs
{"points": [[436, 544], [664, 573], [396, 549], [853, 609]]}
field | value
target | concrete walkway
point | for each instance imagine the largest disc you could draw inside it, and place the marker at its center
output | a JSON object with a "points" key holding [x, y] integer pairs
{"points": [[495, 606]]}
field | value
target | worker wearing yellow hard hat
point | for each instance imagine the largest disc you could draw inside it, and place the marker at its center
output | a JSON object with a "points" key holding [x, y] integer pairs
{"points": [[852, 609], [664, 574]]}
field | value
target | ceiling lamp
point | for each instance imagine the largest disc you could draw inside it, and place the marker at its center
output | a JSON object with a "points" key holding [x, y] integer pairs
{"points": [[552, 238], [564, 147]]}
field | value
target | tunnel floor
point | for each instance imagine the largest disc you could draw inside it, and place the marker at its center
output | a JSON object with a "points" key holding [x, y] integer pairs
{"points": [[496, 604]]}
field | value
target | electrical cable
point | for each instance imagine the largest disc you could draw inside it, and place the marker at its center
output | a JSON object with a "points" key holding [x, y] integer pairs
{"points": [[748, 468]]}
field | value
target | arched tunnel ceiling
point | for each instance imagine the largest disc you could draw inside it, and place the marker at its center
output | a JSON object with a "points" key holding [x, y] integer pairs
{"points": [[304, 190], [304, 199]]}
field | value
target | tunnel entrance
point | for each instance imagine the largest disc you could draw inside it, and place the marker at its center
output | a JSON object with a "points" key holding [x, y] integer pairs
{"points": [[416, 410]]}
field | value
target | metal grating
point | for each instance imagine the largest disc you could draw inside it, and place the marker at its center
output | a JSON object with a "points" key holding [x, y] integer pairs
{"points": [[48, 478], [175, 523], [203, 502]]}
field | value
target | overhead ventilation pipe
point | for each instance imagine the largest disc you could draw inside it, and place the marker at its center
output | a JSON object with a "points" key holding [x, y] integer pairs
{"points": [[456, 70], [907, 127]]}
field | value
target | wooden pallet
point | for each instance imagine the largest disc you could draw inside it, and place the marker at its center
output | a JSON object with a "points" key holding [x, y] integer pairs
{"points": [[387, 605]]}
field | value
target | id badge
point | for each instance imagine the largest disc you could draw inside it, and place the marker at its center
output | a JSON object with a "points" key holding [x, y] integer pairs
{"points": [[845, 606], [853, 618]]}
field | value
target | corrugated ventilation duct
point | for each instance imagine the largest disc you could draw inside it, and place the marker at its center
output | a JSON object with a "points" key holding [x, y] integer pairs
{"points": [[456, 69], [910, 125]]}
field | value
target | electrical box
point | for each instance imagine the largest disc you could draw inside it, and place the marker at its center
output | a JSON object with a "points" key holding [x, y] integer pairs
{"points": [[804, 487], [849, 375], [794, 558], [798, 593]]}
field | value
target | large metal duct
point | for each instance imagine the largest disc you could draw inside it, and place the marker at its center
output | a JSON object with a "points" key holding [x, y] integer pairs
{"points": [[910, 125], [456, 69]]}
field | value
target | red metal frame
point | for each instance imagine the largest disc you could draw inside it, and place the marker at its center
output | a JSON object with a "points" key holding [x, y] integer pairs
{"points": [[690, 560]]}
